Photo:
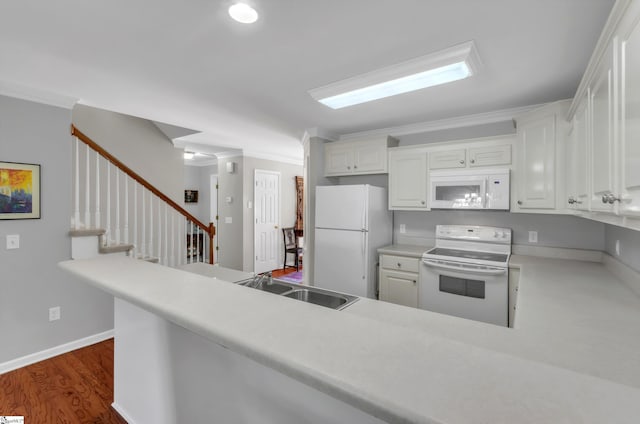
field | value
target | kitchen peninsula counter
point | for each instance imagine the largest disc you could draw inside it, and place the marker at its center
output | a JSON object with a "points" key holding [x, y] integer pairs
{"points": [[395, 364]]}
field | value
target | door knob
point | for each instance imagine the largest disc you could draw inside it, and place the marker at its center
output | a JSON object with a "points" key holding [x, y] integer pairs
{"points": [[275, 226], [461, 162], [520, 202]]}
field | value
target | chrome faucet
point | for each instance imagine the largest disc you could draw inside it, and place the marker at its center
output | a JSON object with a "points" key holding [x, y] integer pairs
{"points": [[258, 279]]}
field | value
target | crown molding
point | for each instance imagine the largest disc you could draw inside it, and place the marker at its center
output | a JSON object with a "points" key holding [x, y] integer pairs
{"points": [[445, 124], [200, 164], [321, 133], [36, 95], [275, 158], [617, 13]]}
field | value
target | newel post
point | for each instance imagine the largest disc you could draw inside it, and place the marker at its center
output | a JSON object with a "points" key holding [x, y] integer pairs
{"points": [[212, 233]]}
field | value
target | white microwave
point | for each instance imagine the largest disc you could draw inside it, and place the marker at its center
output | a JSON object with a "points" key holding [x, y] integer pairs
{"points": [[473, 189]]}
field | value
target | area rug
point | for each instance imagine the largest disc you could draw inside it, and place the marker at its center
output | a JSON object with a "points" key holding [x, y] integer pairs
{"points": [[294, 277]]}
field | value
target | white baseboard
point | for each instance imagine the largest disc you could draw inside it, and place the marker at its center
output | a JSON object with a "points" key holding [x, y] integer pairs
{"points": [[54, 351], [628, 275], [122, 413]]}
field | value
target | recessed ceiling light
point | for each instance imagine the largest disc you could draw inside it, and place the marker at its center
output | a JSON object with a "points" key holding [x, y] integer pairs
{"points": [[243, 13], [438, 68], [188, 155]]}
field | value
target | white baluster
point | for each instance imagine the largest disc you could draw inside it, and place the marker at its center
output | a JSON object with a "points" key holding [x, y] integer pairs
{"points": [[87, 192], [197, 244], [107, 235], [159, 231], [76, 200], [135, 220], [191, 247], [166, 234], [150, 224], [173, 238], [117, 211], [126, 209], [97, 190], [143, 217]]}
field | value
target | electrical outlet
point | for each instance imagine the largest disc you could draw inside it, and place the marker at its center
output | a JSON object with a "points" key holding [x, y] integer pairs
{"points": [[617, 247], [13, 241], [228, 220], [403, 228], [533, 236], [54, 313]]}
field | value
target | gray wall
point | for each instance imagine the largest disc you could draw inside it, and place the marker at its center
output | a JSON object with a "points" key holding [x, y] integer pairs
{"points": [[288, 172], [553, 230], [230, 236], [199, 178], [629, 245], [139, 144], [31, 281]]}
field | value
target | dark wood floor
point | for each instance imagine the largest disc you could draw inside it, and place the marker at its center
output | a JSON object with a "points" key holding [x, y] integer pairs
{"points": [[76, 387], [280, 272]]}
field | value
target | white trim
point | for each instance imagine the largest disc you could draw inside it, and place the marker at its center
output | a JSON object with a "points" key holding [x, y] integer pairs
{"points": [[275, 158], [626, 274], [445, 124], [206, 163], [617, 13], [257, 171], [320, 133], [37, 95], [120, 410], [54, 351]]}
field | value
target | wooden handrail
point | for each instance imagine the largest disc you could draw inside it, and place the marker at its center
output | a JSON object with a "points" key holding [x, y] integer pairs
{"points": [[210, 229]]}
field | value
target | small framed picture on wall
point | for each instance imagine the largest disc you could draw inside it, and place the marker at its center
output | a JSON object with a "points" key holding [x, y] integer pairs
{"points": [[191, 196], [19, 191]]}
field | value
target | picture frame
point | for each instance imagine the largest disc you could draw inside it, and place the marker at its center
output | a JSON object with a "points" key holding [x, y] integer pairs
{"points": [[19, 191], [191, 196]]}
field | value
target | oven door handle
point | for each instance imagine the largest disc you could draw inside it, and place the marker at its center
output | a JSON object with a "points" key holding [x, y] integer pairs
{"points": [[483, 271]]}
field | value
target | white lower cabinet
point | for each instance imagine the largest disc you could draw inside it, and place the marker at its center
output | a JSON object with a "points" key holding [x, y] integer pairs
{"points": [[399, 280], [514, 280]]}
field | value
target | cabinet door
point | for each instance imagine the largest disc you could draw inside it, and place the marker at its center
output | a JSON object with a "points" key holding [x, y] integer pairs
{"points": [[514, 281], [630, 123], [602, 121], [580, 163], [370, 158], [490, 155], [536, 163], [338, 159], [408, 180], [399, 287], [448, 159]]}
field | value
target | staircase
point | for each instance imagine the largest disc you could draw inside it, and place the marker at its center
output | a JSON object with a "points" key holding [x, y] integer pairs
{"points": [[116, 211]]}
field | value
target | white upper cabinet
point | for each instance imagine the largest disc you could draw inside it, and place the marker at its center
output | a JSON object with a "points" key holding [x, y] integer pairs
{"points": [[408, 179], [602, 129], [490, 155], [537, 182], [630, 121], [365, 156], [577, 160], [456, 158]]}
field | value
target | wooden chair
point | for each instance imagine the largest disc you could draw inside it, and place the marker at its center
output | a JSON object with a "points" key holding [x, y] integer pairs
{"points": [[291, 246]]}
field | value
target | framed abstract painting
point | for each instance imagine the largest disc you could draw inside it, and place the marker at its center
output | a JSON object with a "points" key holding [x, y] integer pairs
{"points": [[19, 191]]}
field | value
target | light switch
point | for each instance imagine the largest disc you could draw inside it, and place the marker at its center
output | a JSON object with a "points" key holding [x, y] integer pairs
{"points": [[13, 241], [228, 220], [403, 228], [533, 236]]}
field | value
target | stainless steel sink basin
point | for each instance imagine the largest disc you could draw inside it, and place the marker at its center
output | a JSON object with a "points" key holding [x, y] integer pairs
{"points": [[307, 294], [322, 297]]}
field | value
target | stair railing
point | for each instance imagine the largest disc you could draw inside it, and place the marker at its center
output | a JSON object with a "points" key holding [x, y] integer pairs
{"points": [[133, 210]]}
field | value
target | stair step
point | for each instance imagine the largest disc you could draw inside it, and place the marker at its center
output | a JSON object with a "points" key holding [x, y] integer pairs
{"points": [[149, 259], [90, 232], [116, 248]]}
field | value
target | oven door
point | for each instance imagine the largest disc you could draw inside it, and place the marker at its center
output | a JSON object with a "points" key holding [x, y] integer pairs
{"points": [[458, 192], [477, 292]]}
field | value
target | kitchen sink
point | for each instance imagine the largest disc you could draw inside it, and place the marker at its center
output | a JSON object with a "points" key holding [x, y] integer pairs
{"points": [[317, 296]]}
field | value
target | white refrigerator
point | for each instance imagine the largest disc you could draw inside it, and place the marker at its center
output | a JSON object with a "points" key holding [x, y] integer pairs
{"points": [[351, 223]]}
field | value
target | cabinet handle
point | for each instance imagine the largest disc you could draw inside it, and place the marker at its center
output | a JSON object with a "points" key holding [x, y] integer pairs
{"points": [[348, 167], [355, 166], [520, 202], [461, 162], [422, 202], [414, 281], [399, 265], [605, 198], [473, 161]]}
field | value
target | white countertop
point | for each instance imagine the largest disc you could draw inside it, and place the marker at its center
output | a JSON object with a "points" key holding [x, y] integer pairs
{"points": [[217, 272], [407, 365], [404, 250]]}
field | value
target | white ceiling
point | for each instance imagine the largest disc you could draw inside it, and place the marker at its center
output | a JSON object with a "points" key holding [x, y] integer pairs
{"points": [[186, 63]]}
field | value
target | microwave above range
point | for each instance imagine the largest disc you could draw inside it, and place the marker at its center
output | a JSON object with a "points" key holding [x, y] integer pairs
{"points": [[472, 189]]}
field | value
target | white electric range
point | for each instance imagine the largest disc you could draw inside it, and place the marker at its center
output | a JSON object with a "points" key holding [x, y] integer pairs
{"points": [[466, 273]]}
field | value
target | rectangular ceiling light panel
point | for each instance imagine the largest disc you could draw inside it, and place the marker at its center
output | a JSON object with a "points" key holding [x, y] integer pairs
{"points": [[445, 66]]}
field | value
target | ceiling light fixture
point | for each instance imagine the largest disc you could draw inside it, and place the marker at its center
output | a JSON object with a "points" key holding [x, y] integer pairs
{"points": [[243, 13], [452, 64], [188, 155]]}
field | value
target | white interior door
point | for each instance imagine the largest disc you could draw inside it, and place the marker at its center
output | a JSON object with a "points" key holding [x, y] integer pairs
{"points": [[267, 238]]}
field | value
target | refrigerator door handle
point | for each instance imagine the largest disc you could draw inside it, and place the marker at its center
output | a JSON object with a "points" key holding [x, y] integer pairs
{"points": [[364, 259]]}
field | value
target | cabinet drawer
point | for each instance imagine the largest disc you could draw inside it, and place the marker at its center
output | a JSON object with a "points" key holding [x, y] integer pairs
{"points": [[401, 263]]}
